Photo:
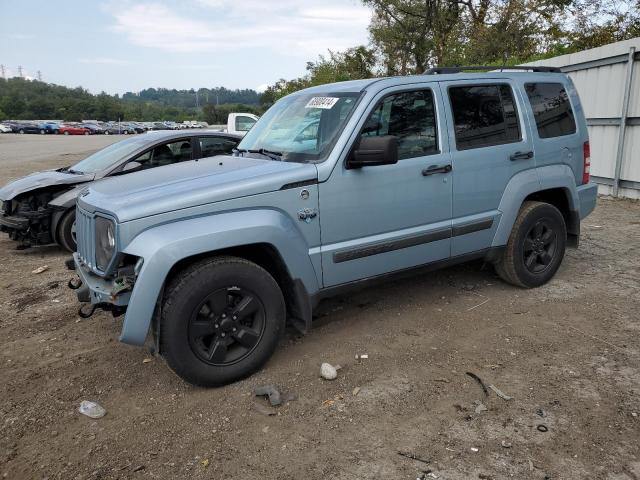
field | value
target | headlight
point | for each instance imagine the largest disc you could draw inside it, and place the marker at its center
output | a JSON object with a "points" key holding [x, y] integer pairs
{"points": [[105, 242]]}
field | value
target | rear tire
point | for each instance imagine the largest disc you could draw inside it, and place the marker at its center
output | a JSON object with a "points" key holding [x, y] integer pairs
{"points": [[221, 320], [536, 246], [66, 231]]}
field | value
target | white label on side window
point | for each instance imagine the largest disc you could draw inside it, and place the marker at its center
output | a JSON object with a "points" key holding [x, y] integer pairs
{"points": [[322, 102]]}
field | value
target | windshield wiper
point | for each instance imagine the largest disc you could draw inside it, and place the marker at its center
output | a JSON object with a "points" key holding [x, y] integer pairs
{"points": [[75, 172], [262, 151]]}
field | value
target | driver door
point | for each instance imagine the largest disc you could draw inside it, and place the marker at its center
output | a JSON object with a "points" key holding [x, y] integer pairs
{"points": [[384, 218]]}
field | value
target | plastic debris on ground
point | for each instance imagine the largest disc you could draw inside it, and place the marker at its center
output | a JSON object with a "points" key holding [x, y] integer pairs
{"points": [[41, 269], [91, 409]]}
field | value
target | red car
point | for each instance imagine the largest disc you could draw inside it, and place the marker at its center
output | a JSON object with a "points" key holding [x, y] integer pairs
{"points": [[71, 130]]}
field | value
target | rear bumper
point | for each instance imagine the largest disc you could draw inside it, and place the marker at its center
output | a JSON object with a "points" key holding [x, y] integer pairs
{"points": [[587, 196]]}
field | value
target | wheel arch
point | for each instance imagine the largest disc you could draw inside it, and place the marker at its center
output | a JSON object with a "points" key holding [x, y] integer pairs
{"points": [[265, 237], [553, 184]]}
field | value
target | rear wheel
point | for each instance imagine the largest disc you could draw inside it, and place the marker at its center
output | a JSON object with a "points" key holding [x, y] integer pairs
{"points": [[42, 132], [106, 132], [67, 231], [66, 132], [21, 131], [221, 321], [536, 246]]}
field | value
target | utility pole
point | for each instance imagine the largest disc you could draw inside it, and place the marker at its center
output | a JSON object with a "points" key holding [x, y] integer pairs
{"points": [[2, 70], [39, 76], [20, 71], [197, 101]]}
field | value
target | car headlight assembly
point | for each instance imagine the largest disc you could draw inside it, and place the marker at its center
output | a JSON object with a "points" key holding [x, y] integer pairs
{"points": [[105, 242]]}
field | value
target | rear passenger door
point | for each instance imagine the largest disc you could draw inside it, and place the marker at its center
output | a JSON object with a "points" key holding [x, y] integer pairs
{"points": [[490, 143]]}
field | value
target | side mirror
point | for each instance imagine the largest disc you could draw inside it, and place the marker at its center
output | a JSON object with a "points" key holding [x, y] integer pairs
{"points": [[373, 151], [131, 166]]}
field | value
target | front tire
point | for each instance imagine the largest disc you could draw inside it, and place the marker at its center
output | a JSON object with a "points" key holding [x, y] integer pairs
{"points": [[67, 231], [536, 246], [221, 320]]}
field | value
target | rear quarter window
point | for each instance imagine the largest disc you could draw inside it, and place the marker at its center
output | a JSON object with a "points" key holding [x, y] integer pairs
{"points": [[551, 109]]}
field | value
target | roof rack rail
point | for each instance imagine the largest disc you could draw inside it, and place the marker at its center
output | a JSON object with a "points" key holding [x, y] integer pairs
{"points": [[443, 70]]}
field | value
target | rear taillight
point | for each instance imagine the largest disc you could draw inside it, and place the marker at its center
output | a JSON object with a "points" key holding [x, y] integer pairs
{"points": [[586, 172]]}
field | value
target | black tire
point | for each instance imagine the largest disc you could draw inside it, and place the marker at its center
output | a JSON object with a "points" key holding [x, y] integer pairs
{"points": [[66, 132], [536, 246], [65, 231], [197, 324], [21, 132]]}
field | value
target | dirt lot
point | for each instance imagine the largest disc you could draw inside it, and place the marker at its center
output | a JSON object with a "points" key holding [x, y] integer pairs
{"points": [[568, 354]]}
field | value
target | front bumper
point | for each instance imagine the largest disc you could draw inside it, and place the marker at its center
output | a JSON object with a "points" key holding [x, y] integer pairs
{"points": [[587, 196], [98, 290], [8, 222]]}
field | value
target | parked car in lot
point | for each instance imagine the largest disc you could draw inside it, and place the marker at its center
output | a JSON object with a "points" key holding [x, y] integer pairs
{"points": [[73, 130], [93, 128], [40, 208], [5, 128], [122, 129], [412, 172], [23, 127], [49, 128]]}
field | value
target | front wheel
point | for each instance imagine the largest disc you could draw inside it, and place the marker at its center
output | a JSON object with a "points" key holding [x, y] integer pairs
{"points": [[221, 321], [536, 246], [67, 231]]}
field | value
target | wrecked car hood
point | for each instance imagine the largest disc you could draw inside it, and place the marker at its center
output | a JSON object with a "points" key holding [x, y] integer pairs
{"points": [[39, 180], [191, 183]]}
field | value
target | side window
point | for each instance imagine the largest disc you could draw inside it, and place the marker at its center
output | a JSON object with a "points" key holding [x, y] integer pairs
{"points": [[212, 146], [244, 124], [409, 116], [551, 109], [166, 154], [484, 115]]}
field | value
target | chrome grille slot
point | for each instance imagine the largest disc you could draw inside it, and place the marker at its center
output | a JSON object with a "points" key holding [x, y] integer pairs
{"points": [[84, 235]]}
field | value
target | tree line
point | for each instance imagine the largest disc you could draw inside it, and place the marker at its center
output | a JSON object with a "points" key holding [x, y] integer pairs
{"points": [[22, 99], [409, 36]]}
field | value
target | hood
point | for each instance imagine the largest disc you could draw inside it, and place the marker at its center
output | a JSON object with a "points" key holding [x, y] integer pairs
{"points": [[40, 180], [189, 184]]}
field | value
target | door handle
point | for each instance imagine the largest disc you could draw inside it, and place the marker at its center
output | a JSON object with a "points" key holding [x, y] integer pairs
{"points": [[521, 156], [433, 169]]}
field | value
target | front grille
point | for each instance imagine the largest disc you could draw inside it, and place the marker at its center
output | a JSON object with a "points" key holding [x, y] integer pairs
{"points": [[85, 232]]}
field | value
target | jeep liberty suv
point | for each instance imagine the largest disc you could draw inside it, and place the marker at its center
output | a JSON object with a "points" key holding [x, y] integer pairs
{"points": [[336, 185]]}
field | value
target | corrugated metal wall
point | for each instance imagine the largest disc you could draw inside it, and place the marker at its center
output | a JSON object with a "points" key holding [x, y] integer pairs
{"points": [[608, 83]]}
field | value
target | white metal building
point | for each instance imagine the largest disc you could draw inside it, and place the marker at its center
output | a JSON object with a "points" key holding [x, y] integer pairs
{"points": [[608, 81]]}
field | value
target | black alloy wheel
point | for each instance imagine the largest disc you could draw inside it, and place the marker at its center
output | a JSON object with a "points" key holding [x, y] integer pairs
{"points": [[226, 327], [540, 246]]}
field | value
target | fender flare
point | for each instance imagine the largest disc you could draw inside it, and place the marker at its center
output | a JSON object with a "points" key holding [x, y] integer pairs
{"points": [[162, 247], [524, 184]]}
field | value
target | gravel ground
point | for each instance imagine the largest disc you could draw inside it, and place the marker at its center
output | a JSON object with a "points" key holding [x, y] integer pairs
{"points": [[567, 353]]}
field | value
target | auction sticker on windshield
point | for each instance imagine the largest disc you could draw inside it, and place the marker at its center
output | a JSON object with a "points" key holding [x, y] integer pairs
{"points": [[322, 102]]}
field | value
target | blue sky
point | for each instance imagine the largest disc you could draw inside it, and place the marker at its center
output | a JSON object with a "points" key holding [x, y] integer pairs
{"points": [[122, 45]]}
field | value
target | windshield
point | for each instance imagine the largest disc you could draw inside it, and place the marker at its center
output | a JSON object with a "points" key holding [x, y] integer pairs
{"points": [[109, 156], [301, 128]]}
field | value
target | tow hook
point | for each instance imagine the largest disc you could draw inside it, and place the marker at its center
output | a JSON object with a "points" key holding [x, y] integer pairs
{"points": [[84, 312], [74, 283], [88, 309]]}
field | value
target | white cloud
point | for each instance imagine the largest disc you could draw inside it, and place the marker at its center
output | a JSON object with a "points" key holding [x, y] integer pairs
{"points": [[293, 27], [262, 87]]}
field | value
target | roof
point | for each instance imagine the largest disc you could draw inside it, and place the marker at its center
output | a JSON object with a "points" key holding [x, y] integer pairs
{"points": [[188, 132], [384, 82]]}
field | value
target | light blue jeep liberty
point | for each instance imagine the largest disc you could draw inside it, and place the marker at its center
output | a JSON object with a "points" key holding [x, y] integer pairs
{"points": [[334, 186]]}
